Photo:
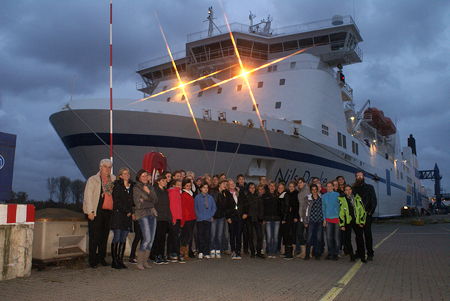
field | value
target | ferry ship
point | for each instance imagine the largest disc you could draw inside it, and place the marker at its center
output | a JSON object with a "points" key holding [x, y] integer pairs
{"points": [[303, 121]]}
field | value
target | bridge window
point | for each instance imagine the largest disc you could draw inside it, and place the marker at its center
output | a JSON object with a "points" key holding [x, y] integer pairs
{"points": [[239, 87], [337, 40], [213, 50], [293, 64], [234, 108], [156, 74], [260, 50], [260, 84], [278, 105], [168, 99], [321, 40], [282, 81], [200, 94], [274, 48], [290, 45], [338, 37], [304, 43], [183, 97], [219, 90], [167, 71], [254, 107]]}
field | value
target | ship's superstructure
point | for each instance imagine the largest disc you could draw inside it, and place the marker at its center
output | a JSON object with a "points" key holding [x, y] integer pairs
{"points": [[308, 126]]}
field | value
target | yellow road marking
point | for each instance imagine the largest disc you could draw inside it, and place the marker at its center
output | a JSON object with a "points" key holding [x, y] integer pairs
{"points": [[335, 290], [384, 239]]}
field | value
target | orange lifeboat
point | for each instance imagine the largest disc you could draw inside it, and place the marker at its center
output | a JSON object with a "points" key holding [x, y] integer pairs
{"points": [[381, 123]]}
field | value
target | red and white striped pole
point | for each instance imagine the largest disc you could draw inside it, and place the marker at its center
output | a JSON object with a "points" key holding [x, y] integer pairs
{"points": [[110, 87]]}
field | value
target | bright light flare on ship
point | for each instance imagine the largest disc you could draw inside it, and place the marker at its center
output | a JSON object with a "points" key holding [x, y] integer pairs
{"points": [[248, 72], [186, 83], [244, 75], [181, 84]]}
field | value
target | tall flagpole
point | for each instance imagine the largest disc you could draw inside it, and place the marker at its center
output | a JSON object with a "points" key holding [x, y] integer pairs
{"points": [[110, 87]]}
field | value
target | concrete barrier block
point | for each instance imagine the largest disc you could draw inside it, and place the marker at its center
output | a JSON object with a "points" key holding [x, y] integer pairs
{"points": [[16, 243], [16, 240]]}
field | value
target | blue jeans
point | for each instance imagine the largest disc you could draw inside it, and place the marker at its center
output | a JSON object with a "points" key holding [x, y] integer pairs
{"points": [[120, 236], [272, 229], [217, 226], [333, 238], [148, 229], [315, 235]]}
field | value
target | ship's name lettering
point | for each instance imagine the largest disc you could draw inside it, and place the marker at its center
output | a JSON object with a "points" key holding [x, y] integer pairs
{"points": [[292, 174]]}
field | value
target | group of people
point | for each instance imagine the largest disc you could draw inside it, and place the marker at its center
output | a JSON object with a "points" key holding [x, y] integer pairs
{"points": [[176, 217]]}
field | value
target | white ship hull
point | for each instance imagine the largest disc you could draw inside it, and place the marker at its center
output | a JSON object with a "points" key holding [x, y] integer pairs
{"points": [[226, 147]]}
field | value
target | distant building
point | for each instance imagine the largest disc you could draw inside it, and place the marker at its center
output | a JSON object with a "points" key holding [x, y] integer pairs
{"points": [[7, 152]]}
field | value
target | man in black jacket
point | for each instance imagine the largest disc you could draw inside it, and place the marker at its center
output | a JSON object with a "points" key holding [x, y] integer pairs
{"points": [[369, 199], [164, 226], [253, 216]]}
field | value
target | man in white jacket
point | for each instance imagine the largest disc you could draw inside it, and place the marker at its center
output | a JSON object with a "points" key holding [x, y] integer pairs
{"points": [[97, 205]]}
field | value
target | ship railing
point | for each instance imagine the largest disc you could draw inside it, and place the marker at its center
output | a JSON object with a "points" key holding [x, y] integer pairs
{"points": [[310, 26], [227, 51], [140, 85], [162, 60], [292, 29], [348, 90], [359, 52], [206, 56]]}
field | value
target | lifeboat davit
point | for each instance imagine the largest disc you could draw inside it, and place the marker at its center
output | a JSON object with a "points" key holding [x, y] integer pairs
{"points": [[381, 123]]}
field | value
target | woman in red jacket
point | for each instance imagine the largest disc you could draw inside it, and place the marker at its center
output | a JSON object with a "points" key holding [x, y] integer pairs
{"points": [[176, 210], [189, 217]]}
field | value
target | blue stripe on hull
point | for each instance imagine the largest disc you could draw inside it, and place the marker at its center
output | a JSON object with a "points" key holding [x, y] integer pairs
{"points": [[88, 139]]}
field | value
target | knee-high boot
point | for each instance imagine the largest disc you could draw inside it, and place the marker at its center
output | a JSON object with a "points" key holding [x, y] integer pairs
{"points": [[121, 254], [115, 255]]}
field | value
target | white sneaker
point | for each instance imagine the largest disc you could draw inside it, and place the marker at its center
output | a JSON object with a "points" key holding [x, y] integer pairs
{"points": [[218, 254], [207, 256], [212, 254], [200, 255]]}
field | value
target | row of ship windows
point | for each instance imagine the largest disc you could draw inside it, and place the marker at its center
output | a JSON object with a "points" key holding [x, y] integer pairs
{"points": [[282, 82], [342, 140]]}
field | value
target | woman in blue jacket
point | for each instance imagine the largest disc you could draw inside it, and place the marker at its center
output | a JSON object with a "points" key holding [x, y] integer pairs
{"points": [[205, 208]]}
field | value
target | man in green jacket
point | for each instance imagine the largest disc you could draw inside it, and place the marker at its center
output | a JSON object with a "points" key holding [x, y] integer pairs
{"points": [[352, 215]]}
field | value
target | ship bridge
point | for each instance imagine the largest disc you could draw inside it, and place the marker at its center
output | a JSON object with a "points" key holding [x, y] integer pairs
{"points": [[334, 40]]}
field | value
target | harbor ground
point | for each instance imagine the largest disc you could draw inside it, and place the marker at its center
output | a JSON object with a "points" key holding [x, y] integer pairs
{"points": [[411, 263]]}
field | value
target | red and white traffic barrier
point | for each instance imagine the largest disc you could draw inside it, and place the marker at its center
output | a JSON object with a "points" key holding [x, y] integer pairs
{"points": [[16, 214]]}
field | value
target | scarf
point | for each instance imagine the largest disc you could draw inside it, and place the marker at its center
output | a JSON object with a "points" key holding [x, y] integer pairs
{"points": [[107, 188]]}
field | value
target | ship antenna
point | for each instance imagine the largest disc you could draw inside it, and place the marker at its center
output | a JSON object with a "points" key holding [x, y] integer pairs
{"points": [[251, 17], [211, 19], [72, 87], [110, 88]]}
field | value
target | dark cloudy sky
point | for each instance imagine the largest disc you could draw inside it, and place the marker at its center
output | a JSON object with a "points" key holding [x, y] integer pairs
{"points": [[51, 50]]}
